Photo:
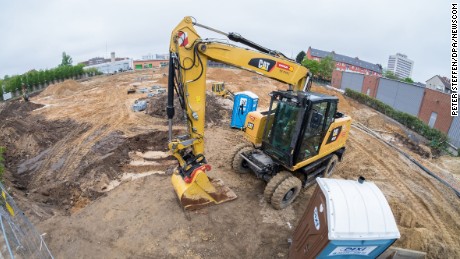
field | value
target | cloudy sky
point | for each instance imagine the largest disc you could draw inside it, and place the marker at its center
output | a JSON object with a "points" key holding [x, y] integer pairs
{"points": [[33, 34]]}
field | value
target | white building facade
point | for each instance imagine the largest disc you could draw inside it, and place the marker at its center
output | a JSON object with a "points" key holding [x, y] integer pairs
{"points": [[114, 66], [400, 65], [439, 83]]}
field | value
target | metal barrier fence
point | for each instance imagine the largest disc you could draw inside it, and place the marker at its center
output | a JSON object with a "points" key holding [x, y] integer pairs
{"points": [[18, 237]]}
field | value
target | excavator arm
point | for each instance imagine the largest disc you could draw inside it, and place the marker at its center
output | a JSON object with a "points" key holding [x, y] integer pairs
{"points": [[189, 54]]}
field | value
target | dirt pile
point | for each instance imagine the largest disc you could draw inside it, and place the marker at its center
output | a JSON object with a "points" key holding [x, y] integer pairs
{"points": [[216, 113], [66, 88], [39, 162]]}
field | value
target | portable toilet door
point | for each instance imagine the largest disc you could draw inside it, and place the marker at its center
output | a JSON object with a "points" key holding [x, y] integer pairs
{"points": [[344, 219], [243, 103]]}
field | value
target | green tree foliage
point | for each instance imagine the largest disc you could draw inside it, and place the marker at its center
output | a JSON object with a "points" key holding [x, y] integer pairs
{"points": [[300, 57], [322, 69], [390, 75], [35, 78], [312, 65], [326, 66], [408, 80], [66, 60]]}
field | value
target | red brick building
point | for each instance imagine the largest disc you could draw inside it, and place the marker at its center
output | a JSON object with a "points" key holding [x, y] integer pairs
{"points": [[435, 110], [345, 63], [336, 79]]}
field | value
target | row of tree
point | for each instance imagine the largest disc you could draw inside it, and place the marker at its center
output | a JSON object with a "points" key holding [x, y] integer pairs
{"points": [[41, 77], [36, 78]]}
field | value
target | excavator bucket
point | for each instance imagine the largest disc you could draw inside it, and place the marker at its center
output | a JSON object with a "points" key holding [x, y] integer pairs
{"points": [[200, 191]]}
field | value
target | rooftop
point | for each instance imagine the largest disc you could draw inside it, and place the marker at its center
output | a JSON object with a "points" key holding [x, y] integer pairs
{"points": [[345, 59]]}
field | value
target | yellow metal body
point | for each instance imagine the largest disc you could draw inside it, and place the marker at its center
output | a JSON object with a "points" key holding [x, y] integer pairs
{"points": [[193, 53], [254, 130], [218, 88], [201, 191], [254, 127]]}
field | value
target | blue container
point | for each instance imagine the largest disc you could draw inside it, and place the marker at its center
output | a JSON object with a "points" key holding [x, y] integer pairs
{"points": [[244, 102]]}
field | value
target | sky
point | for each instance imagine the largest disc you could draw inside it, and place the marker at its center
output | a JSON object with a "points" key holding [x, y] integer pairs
{"points": [[33, 34]]}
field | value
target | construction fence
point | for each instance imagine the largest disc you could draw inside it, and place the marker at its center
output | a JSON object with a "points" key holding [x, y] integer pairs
{"points": [[18, 238]]}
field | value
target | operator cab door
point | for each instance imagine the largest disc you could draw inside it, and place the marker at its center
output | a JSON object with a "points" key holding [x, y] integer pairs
{"points": [[318, 120]]}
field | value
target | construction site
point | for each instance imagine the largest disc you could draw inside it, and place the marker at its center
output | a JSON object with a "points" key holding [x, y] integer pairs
{"points": [[95, 176]]}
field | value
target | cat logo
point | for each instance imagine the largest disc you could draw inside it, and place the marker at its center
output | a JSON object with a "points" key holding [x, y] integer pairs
{"points": [[262, 63], [334, 134]]}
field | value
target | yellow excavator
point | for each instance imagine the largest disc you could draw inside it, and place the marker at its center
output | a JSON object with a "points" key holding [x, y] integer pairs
{"points": [[218, 88], [300, 137]]}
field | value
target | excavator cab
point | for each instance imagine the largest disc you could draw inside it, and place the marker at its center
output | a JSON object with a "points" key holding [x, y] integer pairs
{"points": [[300, 120], [218, 88]]}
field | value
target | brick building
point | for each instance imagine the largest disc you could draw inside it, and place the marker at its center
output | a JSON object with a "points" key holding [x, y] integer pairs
{"points": [[430, 105], [435, 110], [345, 63]]}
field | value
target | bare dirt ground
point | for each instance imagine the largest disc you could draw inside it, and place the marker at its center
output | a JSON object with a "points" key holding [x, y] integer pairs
{"points": [[95, 176]]}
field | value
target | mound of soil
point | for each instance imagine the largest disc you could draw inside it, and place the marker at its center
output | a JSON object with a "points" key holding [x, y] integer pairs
{"points": [[65, 88], [39, 162], [216, 113]]}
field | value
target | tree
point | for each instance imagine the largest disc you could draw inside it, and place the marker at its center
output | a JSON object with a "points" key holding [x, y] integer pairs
{"points": [[66, 60], [408, 80], [389, 74], [326, 66], [300, 57], [312, 65]]}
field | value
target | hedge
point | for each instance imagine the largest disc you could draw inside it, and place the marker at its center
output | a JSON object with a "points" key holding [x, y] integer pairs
{"points": [[438, 140], [35, 78]]}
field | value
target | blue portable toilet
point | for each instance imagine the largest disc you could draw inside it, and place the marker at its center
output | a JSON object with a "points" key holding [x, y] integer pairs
{"points": [[244, 102], [344, 219]]}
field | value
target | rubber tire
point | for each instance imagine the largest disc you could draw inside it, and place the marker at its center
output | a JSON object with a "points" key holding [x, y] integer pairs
{"points": [[238, 148], [331, 165], [237, 161], [281, 191], [273, 184]]}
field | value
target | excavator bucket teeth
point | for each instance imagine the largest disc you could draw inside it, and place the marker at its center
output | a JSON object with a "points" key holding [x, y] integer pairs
{"points": [[202, 191]]}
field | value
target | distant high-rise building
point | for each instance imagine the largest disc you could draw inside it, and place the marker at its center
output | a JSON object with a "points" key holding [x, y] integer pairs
{"points": [[400, 65]]}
